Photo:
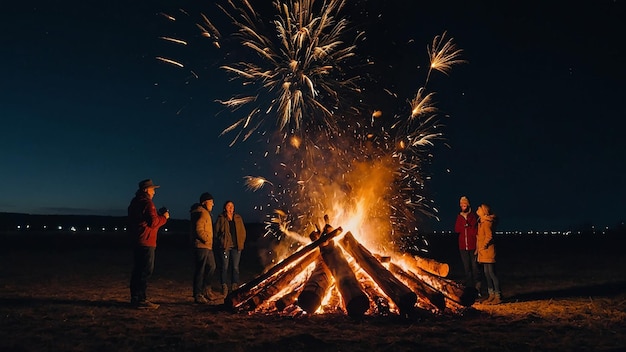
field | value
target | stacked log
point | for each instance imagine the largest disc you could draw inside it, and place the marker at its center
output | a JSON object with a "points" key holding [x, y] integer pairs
{"points": [[429, 265], [355, 300], [421, 287], [398, 292], [237, 297], [275, 284], [315, 288], [458, 293], [428, 297]]}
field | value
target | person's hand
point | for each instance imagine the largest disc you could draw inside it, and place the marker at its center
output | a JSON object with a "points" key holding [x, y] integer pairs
{"points": [[166, 214], [475, 251]]}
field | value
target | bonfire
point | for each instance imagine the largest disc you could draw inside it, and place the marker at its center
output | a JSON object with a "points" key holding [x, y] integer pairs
{"points": [[337, 274]]}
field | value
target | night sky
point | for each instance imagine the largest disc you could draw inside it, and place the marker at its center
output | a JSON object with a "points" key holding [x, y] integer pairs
{"points": [[535, 122]]}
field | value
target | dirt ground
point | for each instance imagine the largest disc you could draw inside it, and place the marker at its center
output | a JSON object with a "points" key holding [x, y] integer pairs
{"points": [[70, 293]]}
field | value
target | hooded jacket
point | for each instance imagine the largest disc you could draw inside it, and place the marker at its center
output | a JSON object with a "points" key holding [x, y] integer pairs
{"points": [[201, 232], [484, 241], [467, 227], [222, 231], [143, 220]]}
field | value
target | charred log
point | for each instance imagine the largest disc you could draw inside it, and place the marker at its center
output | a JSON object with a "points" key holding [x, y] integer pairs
{"points": [[315, 288], [461, 294], [399, 293], [253, 287], [429, 265], [355, 300], [287, 300], [277, 283], [426, 295]]}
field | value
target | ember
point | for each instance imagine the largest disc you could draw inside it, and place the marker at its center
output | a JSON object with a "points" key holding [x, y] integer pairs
{"points": [[336, 273]]}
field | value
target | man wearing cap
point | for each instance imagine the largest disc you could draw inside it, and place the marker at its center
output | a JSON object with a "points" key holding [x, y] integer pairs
{"points": [[202, 240], [143, 224], [467, 227]]}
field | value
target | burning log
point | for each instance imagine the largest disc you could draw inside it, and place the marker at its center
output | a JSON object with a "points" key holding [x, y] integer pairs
{"points": [[277, 283], [355, 300], [429, 265], [315, 288], [246, 291], [380, 301], [399, 293], [465, 296], [426, 295], [288, 299]]}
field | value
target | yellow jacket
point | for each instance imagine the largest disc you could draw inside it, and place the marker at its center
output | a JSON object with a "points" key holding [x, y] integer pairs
{"points": [[484, 240]]}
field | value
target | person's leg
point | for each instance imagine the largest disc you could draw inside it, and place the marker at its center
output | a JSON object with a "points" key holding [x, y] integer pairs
{"points": [[490, 290], [475, 271], [135, 284], [200, 259], [235, 257], [143, 269], [225, 258], [147, 271], [465, 258], [496, 285], [210, 268], [209, 272]]}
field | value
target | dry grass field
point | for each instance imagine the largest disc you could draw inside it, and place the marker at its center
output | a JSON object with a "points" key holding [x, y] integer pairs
{"points": [[69, 292]]}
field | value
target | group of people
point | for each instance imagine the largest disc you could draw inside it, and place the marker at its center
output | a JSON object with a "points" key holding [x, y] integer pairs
{"points": [[477, 248], [223, 239]]}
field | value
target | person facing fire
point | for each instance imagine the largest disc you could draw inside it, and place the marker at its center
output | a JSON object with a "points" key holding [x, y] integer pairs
{"points": [[486, 251], [467, 227], [201, 235], [231, 236], [143, 224]]}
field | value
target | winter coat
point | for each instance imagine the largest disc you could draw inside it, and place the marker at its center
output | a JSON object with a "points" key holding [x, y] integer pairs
{"points": [[484, 241], [467, 227], [222, 232], [143, 220], [201, 231]]}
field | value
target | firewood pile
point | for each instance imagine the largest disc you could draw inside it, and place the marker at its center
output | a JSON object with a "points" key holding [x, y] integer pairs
{"points": [[337, 274]]}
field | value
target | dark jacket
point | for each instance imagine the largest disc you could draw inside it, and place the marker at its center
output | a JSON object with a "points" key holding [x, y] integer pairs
{"points": [[201, 231], [222, 232], [467, 227], [143, 220]]}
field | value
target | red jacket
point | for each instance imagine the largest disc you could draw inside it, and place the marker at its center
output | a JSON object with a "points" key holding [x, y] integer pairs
{"points": [[143, 220], [467, 230]]}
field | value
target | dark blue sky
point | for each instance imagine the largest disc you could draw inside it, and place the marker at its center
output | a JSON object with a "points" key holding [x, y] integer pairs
{"points": [[536, 124]]}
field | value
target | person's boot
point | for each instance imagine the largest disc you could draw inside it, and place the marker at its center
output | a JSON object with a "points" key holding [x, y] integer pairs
{"points": [[497, 299], [212, 296], [224, 289], [478, 286], [200, 299], [490, 298]]}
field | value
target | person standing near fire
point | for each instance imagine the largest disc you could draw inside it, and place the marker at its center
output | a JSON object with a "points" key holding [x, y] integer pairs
{"points": [[467, 227], [486, 251], [201, 235], [143, 224], [231, 236]]}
